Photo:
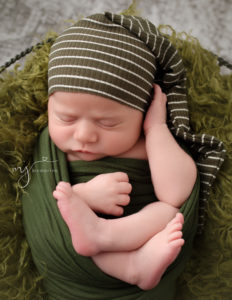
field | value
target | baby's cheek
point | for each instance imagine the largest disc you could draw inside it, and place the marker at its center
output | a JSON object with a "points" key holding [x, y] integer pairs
{"points": [[58, 135]]}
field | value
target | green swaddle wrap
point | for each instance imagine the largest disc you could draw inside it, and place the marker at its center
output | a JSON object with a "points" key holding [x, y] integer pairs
{"points": [[67, 275]]}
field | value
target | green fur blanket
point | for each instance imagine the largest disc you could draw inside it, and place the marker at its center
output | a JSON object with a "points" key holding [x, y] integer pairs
{"points": [[23, 114]]}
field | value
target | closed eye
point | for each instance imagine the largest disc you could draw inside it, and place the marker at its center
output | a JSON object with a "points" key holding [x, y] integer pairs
{"points": [[108, 122], [66, 119]]}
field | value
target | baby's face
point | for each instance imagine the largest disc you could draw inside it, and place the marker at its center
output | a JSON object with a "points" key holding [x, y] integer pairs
{"points": [[89, 127]]}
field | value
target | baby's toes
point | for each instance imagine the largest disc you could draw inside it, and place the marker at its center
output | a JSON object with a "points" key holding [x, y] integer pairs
{"points": [[63, 191], [59, 195], [175, 236], [180, 217], [175, 227], [63, 186]]}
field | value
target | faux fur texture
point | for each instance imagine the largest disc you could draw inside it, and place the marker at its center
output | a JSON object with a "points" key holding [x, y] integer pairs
{"points": [[23, 113], [209, 272]]}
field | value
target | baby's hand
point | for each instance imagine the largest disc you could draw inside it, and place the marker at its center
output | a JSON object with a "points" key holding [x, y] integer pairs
{"points": [[156, 114], [106, 193]]}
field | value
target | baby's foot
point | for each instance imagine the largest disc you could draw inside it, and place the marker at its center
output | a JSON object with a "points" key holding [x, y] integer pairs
{"points": [[152, 259], [63, 191], [83, 224]]}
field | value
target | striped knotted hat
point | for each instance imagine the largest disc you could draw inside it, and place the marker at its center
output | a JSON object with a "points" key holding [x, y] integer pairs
{"points": [[120, 57], [117, 57]]}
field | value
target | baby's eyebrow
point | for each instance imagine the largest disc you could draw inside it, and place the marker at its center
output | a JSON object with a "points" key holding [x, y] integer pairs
{"points": [[111, 117], [106, 117], [63, 112]]}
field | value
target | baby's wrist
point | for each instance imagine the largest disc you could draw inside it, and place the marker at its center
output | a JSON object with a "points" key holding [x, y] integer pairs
{"points": [[155, 128]]}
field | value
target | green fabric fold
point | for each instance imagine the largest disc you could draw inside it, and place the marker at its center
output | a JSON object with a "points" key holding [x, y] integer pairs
{"points": [[67, 275]]}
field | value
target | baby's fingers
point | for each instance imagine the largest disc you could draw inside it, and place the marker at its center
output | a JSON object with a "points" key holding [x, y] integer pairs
{"points": [[123, 200], [124, 188], [118, 211], [120, 176]]}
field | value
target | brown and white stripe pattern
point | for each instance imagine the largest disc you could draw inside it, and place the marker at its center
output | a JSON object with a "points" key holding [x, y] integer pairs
{"points": [[120, 57], [210, 151], [100, 57]]}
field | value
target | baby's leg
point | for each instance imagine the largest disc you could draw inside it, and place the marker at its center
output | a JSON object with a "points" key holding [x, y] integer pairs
{"points": [[144, 267], [91, 234]]}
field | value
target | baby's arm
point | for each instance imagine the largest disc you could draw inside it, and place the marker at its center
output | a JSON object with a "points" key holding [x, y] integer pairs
{"points": [[173, 170], [105, 193]]}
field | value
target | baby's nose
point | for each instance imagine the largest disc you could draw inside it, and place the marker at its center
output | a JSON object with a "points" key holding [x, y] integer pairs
{"points": [[85, 132]]}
